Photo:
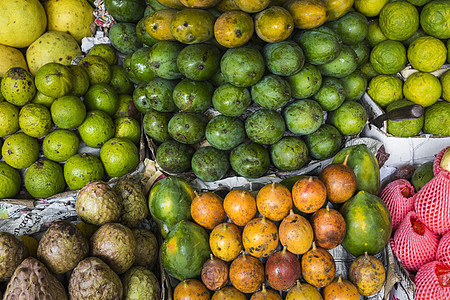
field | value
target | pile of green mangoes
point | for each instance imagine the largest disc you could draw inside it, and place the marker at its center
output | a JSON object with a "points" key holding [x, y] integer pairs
{"points": [[253, 107]]}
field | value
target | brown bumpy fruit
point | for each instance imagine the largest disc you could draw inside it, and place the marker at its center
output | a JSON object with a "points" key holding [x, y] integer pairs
{"points": [[147, 248], [190, 289], [329, 228], [309, 194], [246, 273], [296, 233], [340, 181], [12, 252], [225, 241], [135, 206], [318, 267], [260, 237], [207, 210], [274, 201], [214, 273], [240, 206]]}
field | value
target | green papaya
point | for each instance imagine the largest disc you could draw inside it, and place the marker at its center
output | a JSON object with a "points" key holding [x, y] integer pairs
{"points": [[365, 166], [169, 202]]}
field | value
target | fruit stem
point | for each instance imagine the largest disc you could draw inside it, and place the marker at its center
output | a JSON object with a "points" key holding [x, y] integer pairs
{"points": [[327, 208], [314, 246], [263, 288], [211, 256], [345, 160]]}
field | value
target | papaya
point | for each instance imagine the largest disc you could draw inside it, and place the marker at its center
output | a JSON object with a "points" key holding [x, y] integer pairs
{"points": [[368, 222], [169, 202], [364, 165], [185, 250]]}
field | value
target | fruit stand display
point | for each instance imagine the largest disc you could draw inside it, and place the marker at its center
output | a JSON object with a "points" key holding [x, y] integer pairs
{"points": [[258, 146]]}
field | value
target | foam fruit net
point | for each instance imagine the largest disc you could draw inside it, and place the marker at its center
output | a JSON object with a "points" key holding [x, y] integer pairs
{"points": [[443, 251], [432, 203], [427, 283], [398, 197], [437, 161], [414, 244]]}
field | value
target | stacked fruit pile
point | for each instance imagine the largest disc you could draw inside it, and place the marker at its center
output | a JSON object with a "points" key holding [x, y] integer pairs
{"points": [[421, 227], [68, 108], [84, 261]]}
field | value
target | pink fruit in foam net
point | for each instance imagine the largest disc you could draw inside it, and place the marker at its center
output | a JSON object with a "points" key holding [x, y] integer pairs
{"points": [[432, 203], [398, 197], [414, 243], [443, 250], [437, 161], [428, 286]]}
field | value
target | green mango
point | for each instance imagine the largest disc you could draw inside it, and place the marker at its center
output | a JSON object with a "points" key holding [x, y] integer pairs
{"points": [[124, 38]]}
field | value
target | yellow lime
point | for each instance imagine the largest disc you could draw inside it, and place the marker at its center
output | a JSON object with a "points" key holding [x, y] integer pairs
{"points": [[385, 89], [388, 57], [35, 120], [370, 8], [9, 118], [399, 20], [427, 54], [437, 118], [31, 243], [404, 128], [435, 19], [375, 35], [445, 83], [422, 88]]}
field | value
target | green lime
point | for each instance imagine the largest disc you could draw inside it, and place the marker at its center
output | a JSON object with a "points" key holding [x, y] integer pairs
{"points": [[103, 97], [20, 150], [422, 88], [354, 85], [437, 119], [128, 127], [68, 112], [35, 120], [9, 118], [435, 19], [404, 128], [60, 144], [81, 168], [445, 83], [9, 181], [80, 80], [388, 57], [385, 89], [44, 178], [427, 54], [375, 35], [119, 156], [399, 20], [96, 129], [42, 99], [106, 51]]}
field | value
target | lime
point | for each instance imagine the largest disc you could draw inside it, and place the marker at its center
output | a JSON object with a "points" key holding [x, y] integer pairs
{"points": [[427, 54], [81, 168], [385, 89], [445, 83], [17, 86], [96, 129], [375, 35], [368, 70], [54, 80], [20, 150], [60, 144], [354, 85], [80, 80], [44, 178], [349, 118], [103, 97], [435, 19], [105, 51], [9, 181], [35, 120], [399, 20], [370, 8], [388, 57], [422, 88], [68, 112], [437, 119], [9, 118], [404, 128], [352, 27], [128, 127], [42, 99], [119, 156], [412, 38]]}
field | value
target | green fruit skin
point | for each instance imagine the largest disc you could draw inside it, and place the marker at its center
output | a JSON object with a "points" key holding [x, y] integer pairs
{"points": [[199, 61], [120, 81], [35, 120], [80, 80], [225, 133], [128, 127], [140, 100], [126, 107], [324, 142], [362, 51], [187, 128], [124, 38], [193, 96], [437, 119], [331, 94], [54, 80], [106, 51], [66, 104], [320, 45], [60, 144], [354, 85], [364, 165], [185, 250], [290, 181], [103, 97], [405, 128], [91, 128], [368, 224], [42, 99], [242, 66], [10, 181], [422, 175], [81, 168], [250, 160], [284, 58], [44, 178], [174, 157], [265, 126], [271, 92], [169, 202], [303, 116], [210, 164], [289, 154], [137, 68], [142, 33], [159, 93], [20, 150], [119, 156], [345, 64], [433, 13], [306, 82], [388, 57], [231, 100], [125, 11], [98, 69], [349, 118], [17, 86], [156, 125], [352, 27], [192, 25], [9, 118], [163, 59]]}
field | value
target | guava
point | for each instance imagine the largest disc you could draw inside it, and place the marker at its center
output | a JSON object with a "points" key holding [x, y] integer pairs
{"points": [[188, 128], [44, 178], [156, 125], [10, 181], [102, 96], [159, 93], [210, 164], [9, 118], [231, 100], [96, 129], [265, 126], [174, 157], [303, 116], [98, 69], [60, 144], [80, 80], [225, 133], [106, 51], [250, 160], [271, 92], [119, 156], [128, 127], [54, 80], [81, 168], [193, 96], [17, 86], [68, 112], [289, 154], [35, 120], [20, 150]]}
